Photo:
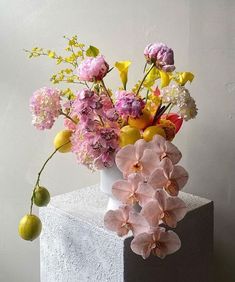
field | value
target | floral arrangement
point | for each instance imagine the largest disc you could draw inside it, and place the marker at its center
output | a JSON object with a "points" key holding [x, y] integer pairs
{"points": [[130, 128]]}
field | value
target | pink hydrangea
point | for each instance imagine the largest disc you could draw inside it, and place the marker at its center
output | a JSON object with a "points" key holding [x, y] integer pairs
{"points": [[45, 107], [161, 55], [92, 69], [128, 104]]}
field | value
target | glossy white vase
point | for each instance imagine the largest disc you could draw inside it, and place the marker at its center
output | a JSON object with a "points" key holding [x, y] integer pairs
{"points": [[107, 177]]}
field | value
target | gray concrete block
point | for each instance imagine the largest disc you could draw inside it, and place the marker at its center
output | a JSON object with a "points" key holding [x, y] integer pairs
{"points": [[75, 247]]}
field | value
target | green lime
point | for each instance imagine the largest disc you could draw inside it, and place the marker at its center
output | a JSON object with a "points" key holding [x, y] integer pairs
{"points": [[41, 196], [30, 227]]}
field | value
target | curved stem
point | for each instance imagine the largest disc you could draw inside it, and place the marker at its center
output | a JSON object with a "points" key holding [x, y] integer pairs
{"points": [[67, 116], [40, 172], [141, 83]]}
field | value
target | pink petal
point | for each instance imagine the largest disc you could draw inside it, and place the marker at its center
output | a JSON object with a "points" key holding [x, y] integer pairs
{"points": [[135, 179], [167, 166], [152, 213], [173, 152], [158, 144], [142, 244], [158, 179], [149, 162], [113, 220], [125, 158], [122, 190], [144, 193], [140, 146], [161, 197], [180, 175], [169, 244], [177, 207], [138, 223]]}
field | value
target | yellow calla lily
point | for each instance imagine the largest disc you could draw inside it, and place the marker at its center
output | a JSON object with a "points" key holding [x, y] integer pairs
{"points": [[123, 67], [183, 77], [151, 78], [165, 78]]}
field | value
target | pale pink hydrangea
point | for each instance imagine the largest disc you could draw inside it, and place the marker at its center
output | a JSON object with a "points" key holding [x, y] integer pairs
{"points": [[161, 55], [45, 107], [128, 104], [92, 69]]}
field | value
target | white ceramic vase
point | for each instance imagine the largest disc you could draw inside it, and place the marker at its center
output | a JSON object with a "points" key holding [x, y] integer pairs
{"points": [[107, 177]]}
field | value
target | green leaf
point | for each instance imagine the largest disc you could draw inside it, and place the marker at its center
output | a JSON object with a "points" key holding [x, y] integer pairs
{"points": [[92, 51]]}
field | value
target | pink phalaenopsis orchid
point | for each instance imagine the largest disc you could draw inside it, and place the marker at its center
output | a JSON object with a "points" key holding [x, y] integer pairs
{"points": [[137, 158], [125, 219], [133, 190], [171, 178], [159, 242], [164, 148], [169, 210]]}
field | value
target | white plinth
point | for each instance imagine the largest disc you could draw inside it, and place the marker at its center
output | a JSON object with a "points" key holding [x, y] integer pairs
{"points": [[75, 247]]}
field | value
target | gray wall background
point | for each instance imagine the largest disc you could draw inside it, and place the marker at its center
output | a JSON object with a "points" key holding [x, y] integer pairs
{"points": [[202, 33]]}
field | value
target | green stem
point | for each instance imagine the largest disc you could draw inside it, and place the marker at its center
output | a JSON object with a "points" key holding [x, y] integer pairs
{"points": [[67, 116], [106, 90], [40, 172], [141, 83]]}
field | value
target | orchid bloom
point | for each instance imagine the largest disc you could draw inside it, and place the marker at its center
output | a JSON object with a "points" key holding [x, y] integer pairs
{"points": [[169, 209], [171, 178], [125, 219], [160, 243], [165, 148], [138, 158], [133, 190]]}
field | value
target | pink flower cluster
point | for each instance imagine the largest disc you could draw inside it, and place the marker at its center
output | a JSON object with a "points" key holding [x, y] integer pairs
{"points": [[148, 192], [92, 69], [161, 55], [45, 107], [128, 104], [95, 139]]}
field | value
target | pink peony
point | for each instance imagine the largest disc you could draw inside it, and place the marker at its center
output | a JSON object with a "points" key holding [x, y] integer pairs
{"points": [[92, 69], [128, 104], [161, 55], [159, 242], [45, 107]]}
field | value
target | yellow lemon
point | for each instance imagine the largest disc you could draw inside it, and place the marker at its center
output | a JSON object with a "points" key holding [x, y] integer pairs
{"points": [[129, 135], [30, 227], [142, 122], [41, 196], [61, 138], [151, 131]]}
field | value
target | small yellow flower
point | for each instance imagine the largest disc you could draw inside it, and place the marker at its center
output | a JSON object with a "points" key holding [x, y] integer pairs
{"points": [[123, 67]]}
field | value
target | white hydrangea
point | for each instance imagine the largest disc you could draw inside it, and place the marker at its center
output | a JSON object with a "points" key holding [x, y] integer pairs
{"points": [[179, 96]]}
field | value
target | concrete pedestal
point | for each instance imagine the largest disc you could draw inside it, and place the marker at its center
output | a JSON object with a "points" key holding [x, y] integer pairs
{"points": [[75, 247]]}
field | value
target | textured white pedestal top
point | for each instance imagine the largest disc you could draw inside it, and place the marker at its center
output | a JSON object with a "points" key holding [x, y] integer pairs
{"points": [[89, 204]]}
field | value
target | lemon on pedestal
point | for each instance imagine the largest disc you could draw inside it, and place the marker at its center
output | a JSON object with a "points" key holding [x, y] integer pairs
{"points": [[61, 138], [30, 227], [151, 131], [129, 135]]}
